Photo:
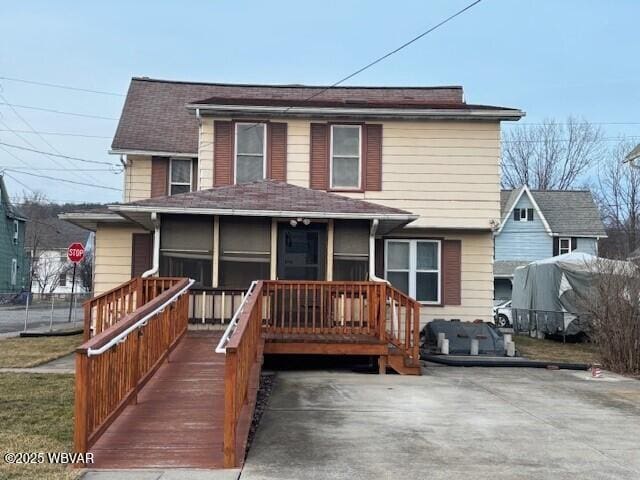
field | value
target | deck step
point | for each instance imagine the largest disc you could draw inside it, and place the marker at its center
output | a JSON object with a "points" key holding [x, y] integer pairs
{"points": [[397, 361]]}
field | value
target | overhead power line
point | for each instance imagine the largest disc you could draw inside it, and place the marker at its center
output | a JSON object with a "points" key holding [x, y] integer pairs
{"points": [[13, 167], [392, 52], [62, 180], [605, 139], [60, 134], [527, 124], [68, 157], [64, 87], [59, 112]]}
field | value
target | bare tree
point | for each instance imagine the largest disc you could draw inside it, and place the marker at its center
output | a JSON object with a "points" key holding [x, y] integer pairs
{"points": [[550, 156], [48, 269], [618, 195]]}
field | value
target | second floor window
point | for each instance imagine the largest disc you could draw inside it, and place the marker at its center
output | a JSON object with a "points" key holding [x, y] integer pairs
{"points": [[565, 246], [250, 152], [180, 176], [345, 157]]}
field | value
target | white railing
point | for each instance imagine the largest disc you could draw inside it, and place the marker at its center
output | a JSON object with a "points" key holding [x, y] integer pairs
{"points": [[221, 347]]}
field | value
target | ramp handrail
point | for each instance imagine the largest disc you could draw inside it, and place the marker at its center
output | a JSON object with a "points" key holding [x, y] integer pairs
{"points": [[233, 324], [114, 365]]}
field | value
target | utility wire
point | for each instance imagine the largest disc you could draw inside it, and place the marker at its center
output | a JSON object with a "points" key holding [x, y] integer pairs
{"points": [[13, 167], [65, 87], [62, 180], [392, 52], [60, 134], [68, 157], [521, 124], [19, 182], [59, 112]]}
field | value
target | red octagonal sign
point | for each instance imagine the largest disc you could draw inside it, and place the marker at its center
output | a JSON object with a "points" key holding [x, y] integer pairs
{"points": [[75, 252]]}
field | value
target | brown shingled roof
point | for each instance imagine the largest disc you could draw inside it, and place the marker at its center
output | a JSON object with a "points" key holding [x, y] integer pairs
{"points": [[269, 196], [155, 117]]}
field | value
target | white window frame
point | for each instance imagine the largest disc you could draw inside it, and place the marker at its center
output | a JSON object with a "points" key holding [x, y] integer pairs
{"points": [[413, 266], [14, 271], [568, 249], [171, 182], [525, 217], [331, 185], [235, 150]]}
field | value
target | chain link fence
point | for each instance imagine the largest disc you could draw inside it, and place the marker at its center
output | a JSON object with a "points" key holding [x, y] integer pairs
{"points": [[41, 311]]}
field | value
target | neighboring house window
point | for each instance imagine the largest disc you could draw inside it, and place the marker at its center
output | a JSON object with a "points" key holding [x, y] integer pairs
{"points": [[564, 245], [251, 144], [16, 232], [523, 214], [180, 176], [345, 157], [414, 266], [63, 280], [14, 271]]}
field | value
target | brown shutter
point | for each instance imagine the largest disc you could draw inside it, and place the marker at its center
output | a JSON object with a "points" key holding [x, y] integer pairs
{"points": [[194, 175], [379, 260], [159, 176], [223, 153], [451, 272], [141, 248], [277, 148], [373, 158], [319, 168]]}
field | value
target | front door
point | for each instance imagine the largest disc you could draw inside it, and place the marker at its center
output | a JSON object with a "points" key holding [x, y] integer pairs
{"points": [[302, 251]]}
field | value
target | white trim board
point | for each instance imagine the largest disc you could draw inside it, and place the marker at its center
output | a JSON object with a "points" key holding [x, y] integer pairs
{"points": [[508, 213]]}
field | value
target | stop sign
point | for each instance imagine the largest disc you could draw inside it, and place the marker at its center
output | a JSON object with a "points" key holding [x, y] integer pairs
{"points": [[75, 252]]}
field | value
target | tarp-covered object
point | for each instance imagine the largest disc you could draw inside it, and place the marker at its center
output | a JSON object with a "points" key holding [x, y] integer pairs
{"points": [[459, 334], [547, 294]]}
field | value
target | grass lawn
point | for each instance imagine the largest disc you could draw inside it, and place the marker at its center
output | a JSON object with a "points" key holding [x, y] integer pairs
{"points": [[36, 415], [29, 352], [551, 350]]}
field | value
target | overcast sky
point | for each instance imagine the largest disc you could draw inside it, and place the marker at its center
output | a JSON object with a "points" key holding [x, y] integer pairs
{"points": [[550, 58]]}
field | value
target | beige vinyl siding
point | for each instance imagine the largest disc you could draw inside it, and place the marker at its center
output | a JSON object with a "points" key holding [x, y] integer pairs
{"points": [[137, 179], [113, 256], [298, 147], [476, 276], [205, 154]]}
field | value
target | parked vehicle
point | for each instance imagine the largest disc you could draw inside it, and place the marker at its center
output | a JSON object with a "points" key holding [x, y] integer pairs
{"points": [[502, 314]]}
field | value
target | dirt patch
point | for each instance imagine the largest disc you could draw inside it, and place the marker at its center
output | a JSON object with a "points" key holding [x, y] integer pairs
{"points": [[264, 392]]}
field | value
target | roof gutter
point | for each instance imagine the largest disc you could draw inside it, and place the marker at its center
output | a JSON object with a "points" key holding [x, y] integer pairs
{"points": [[437, 113], [260, 213], [125, 151]]}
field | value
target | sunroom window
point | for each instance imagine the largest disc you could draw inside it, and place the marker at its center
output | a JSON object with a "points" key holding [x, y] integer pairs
{"points": [[414, 267], [186, 248], [250, 152], [351, 251], [345, 157], [180, 176], [245, 251]]}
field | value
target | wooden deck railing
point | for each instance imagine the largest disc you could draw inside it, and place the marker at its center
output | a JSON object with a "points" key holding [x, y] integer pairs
{"points": [[105, 310], [402, 323], [112, 366], [214, 305], [309, 307], [242, 376]]}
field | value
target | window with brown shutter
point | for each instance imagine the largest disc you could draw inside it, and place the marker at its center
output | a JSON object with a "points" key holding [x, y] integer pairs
{"points": [[452, 272], [223, 153], [277, 151], [373, 158], [159, 176], [319, 167]]}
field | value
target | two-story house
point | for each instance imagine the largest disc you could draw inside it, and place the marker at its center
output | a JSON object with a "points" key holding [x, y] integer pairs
{"points": [[13, 262], [538, 224], [231, 183]]}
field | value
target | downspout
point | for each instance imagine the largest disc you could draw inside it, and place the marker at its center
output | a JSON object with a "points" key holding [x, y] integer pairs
{"points": [[372, 252], [156, 247]]}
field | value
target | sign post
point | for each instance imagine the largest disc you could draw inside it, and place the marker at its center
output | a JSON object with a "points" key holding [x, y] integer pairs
{"points": [[75, 254]]}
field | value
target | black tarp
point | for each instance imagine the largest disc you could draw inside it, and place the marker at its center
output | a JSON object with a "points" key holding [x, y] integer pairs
{"points": [[460, 334]]}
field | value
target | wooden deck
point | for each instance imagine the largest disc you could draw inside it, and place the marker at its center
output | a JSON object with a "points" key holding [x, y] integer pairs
{"points": [[177, 421]]}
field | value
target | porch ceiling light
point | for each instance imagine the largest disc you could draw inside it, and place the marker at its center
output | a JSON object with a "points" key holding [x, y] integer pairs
{"points": [[293, 222], [306, 221]]}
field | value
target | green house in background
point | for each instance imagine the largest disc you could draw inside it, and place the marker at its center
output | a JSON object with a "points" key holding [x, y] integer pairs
{"points": [[14, 271]]}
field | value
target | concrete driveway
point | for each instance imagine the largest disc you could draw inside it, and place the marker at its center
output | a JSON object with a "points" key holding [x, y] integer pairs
{"points": [[451, 423]]}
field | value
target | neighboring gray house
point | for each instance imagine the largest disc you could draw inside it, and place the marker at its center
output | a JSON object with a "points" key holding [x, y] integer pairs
{"points": [[538, 224]]}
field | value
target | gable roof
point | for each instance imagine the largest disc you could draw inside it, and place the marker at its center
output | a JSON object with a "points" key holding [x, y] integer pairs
{"points": [[155, 117], [266, 198], [11, 210], [567, 212], [633, 154]]}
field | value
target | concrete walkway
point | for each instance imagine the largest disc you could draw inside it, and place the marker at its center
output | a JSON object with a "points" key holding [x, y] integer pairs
{"points": [[452, 423], [160, 474], [64, 365]]}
